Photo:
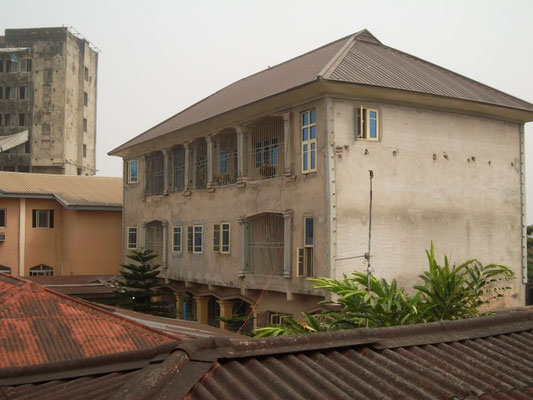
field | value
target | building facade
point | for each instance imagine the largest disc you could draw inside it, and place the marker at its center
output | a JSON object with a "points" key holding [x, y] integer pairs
{"points": [[48, 88], [59, 225], [253, 190]]}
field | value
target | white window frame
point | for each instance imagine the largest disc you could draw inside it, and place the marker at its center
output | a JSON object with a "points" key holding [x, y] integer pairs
{"points": [[277, 318], [304, 253], [131, 178], [218, 238], [307, 145], [41, 270], [197, 229], [177, 247], [49, 217], [362, 116], [129, 230]]}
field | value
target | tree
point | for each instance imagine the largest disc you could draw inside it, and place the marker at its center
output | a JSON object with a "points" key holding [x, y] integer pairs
{"points": [[140, 278], [447, 292]]}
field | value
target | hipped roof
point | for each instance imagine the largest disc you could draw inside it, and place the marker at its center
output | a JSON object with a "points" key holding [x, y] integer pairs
{"points": [[71, 191], [358, 59]]}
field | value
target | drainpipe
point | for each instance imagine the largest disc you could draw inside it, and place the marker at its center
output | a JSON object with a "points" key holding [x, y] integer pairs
{"points": [[22, 234], [164, 256], [523, 205]]}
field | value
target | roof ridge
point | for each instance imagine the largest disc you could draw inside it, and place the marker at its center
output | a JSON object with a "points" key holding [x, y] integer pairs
{"points": [[231, 84], [59, 176]]}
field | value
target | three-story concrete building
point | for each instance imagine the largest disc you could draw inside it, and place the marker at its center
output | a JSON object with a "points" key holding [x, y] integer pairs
{"points": [[265, 183]]}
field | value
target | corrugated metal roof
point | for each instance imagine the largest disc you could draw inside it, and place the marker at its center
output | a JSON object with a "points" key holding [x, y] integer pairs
{"points": [[71, 191], [360, 58], [39, 326], [480, 358]]}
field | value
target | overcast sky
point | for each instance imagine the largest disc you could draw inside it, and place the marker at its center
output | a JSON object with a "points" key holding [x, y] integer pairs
{"points": [[159, 57]]}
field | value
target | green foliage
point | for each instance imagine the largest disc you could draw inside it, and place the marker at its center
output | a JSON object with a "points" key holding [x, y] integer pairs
{"points": [[235, 322], [140, 278], [447, 292]]}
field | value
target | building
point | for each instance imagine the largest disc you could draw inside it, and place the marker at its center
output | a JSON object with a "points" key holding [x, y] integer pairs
{"points": [[478, 358], [60, 225], [265, 183], [48, 87]]}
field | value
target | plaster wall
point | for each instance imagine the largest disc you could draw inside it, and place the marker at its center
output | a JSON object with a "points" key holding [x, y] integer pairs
{"points": [[448, 178], [304, 195], [9, 253]]}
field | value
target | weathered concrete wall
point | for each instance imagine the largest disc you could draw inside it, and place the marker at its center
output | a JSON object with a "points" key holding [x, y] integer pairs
{"points": [[304, 195], [443, 177]]}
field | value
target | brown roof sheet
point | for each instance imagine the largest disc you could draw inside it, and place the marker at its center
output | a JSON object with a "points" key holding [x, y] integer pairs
{"points": [[359, 58], [40, 326], [72, 191], [484, 358]]}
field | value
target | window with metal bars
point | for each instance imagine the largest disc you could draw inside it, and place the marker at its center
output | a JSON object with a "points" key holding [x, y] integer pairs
{"points": [[198, 164], [225, 157], [178, 168], [266, 148], [265, 244], [155, 173]]}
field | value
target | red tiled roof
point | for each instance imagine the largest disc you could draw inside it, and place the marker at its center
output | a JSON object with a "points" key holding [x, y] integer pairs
{"points": [[39, 326]]}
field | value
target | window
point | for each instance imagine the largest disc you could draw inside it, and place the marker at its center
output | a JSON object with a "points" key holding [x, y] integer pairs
{"points": [[1, 92], [43, 219], [47, 75], [11, 93], [133, 171], [8, 121], [308, 130], [3, 217], [85, 99], [155, 170], [23, 92], [12, 63], [221, 238], [176, 239], [132, 238], [305, 254], [86, 73], [198, 239], [278, 318], [84, 124], [84, 150], [45, 129], [190, 238], [1, 65], [5, 270], [41, 270], [367, 123], [266, 148], [23, 120], [25, 65]]}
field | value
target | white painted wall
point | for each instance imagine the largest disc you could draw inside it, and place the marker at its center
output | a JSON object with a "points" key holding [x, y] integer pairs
{"points": [[468, 204]]}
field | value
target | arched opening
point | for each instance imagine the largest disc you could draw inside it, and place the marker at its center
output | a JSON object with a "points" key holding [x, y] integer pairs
{"points": [[41, 270]]}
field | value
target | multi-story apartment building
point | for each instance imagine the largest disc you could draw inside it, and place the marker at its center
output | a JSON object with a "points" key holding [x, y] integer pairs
{"points": [[48, 86], [265, 183]]}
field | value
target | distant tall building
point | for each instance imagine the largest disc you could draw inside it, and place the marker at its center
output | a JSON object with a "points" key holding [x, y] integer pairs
{"points": [[47, 101]]}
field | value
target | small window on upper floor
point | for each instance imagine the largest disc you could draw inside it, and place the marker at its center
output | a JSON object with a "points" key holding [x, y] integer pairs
{"points": [[84, 150], [1, 92], [24, 92], [86, 73], [84, 124], [25, 65], [133, 171], [12, 63], [305, 253], [221, 238], [195, 239], [41, 270], [43, 218], [177, 238], [308, 135], [367, 123], [1, 65], [85, 99], [23, 119], [11, 93], [3, 217]]}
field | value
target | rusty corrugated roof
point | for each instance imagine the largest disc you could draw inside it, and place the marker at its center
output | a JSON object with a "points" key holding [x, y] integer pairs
{"points": [[72, 191], [360, 58], [40, 326], [479, 358]]}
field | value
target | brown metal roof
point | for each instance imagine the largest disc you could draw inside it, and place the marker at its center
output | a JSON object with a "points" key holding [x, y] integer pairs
{"points": [[72, 191], [479, 358], [40, 326], [357, 59]]}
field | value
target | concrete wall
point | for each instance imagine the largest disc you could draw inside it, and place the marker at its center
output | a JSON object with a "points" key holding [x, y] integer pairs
{"points": [[82, 242], [450, 178], [304, 194]]}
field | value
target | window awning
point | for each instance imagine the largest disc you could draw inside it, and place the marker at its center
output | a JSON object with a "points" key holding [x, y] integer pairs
{"points": [[8, 142]]}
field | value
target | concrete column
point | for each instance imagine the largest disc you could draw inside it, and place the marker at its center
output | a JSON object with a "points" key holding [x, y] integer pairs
{"points": [[242, 246], [287, 142], [287, 248], [226, 311], [202, 309], [144, 175], [164, 260], [179, 306], [186, 172], [209, 141], [241, 156], [166, 171], [22, 235]]}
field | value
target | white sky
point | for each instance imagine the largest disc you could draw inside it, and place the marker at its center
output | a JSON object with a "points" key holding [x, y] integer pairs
{"points": [[159, 57]]}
